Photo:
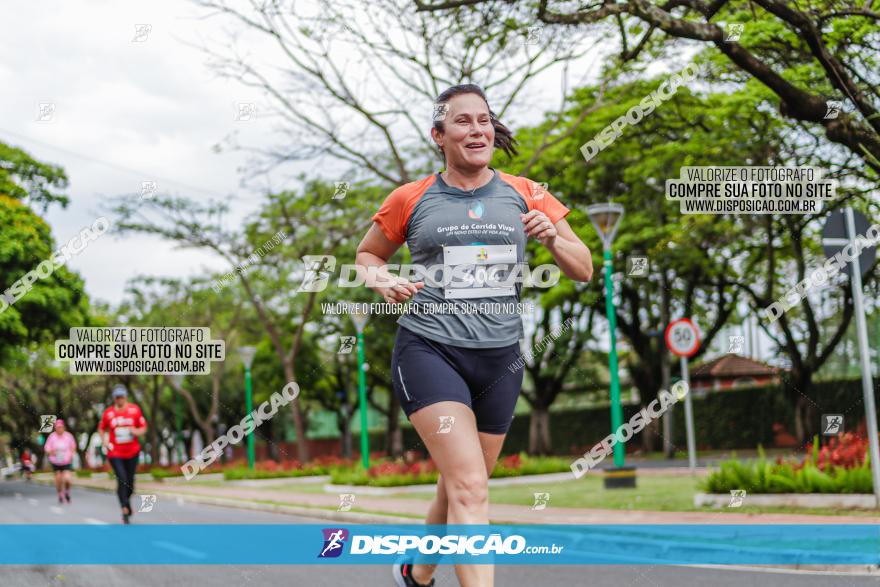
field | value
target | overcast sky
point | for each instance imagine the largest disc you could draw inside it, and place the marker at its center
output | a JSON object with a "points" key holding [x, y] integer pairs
{"points": [[125, 111]]}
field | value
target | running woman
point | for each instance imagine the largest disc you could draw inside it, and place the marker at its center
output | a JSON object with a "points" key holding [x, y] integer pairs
{"points": [[120, 426], [60, 447], [450, 370]]}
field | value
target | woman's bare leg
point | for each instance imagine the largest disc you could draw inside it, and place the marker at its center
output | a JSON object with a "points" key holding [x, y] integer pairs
{"points": [[464, 476], [58, 489], [491, 445]]}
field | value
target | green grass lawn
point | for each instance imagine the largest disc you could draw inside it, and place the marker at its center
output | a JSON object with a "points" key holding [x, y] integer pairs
{"points": [[656, 493]]}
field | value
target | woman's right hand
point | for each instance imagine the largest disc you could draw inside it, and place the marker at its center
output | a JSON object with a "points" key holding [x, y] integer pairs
{"points": [[401, 291]]}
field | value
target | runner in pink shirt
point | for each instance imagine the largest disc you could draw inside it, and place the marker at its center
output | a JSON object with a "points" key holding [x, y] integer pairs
{"points": [[60, 448]]}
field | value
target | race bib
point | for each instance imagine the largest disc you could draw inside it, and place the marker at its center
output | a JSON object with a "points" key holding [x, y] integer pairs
{"points": [[123, 434], [60, 454], [478, 271]]}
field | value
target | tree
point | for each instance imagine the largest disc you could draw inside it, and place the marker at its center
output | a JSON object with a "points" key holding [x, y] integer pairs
{"points": [[690, 273], [52, 304], [172, 302], [360, 110], [298, 224], [805, 53]]}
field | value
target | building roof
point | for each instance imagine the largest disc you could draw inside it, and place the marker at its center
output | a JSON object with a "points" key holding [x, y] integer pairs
{"points": [[732, 365]]}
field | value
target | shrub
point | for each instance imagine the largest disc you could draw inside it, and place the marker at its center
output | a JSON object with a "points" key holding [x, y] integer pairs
{"points": [[840, 467]]}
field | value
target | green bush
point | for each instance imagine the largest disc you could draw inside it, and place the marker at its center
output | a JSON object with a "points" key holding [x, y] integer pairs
{"points": [[761, 476], [83, 473], [159, 474]]}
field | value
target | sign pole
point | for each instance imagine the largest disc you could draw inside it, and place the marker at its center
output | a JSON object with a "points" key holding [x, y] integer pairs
{"points": [[683, 340], [689, 417], [864, 355]]}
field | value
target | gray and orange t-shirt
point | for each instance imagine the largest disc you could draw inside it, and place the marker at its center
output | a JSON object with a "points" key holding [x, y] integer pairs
{"points": [[465, 232]]}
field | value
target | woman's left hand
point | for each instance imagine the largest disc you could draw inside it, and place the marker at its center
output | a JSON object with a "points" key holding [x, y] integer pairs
{"points": [[538, 225]]}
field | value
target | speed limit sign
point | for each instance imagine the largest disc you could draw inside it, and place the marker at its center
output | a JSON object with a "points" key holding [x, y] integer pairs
{"points": [[682, 338]]}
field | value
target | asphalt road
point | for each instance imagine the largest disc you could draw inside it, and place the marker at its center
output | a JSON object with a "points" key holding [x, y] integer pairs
{"points": [[29, 503]]}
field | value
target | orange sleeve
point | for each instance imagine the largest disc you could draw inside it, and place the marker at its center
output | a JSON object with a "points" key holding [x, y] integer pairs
{"points": [[537, 198], [395, 211]]}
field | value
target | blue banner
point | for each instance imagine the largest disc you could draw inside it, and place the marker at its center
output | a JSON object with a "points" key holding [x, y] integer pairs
{"points": [[335, 543]]}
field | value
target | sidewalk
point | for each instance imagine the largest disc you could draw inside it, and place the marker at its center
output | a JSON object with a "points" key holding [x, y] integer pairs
{"points": [[251, 497]]}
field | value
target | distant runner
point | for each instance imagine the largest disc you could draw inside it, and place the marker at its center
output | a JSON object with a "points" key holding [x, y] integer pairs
{"points": [[60, 447], [27, 464], [120, 426]]}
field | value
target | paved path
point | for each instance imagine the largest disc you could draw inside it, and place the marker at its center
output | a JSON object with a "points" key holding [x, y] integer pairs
{"points": [[33, 503]]}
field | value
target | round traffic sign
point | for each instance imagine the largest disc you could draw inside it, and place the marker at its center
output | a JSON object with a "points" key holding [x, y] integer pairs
{"points": [[682, 338]]}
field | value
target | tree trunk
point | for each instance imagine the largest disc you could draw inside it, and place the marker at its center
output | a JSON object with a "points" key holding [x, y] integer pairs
{"points": [[649, 435], [344, 422], [539, 432], [302, 447], [665, 375], [804, 426]]}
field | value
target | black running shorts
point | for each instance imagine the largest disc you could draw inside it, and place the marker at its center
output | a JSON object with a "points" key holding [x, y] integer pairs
{"points": [[488, 381]]}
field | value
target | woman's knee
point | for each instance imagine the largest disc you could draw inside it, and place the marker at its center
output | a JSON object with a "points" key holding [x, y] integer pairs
{"points": [[468, 490]]}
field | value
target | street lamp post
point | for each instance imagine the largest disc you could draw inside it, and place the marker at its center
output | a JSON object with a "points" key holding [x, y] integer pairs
{"points": [[606, 218], [247, 358], [178, 419], [359, 318]]}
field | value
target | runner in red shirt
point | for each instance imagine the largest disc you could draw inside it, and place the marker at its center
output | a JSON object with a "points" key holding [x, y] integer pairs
{"points": [[120, 426]]}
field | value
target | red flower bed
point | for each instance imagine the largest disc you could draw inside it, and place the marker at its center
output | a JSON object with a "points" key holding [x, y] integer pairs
{"points": [[401, 468], [846, 451]]}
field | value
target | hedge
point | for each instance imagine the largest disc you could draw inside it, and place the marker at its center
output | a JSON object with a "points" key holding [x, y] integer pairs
{"points": [[739, 418]]}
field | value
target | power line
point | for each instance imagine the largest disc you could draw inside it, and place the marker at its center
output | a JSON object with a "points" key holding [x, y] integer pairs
{"points": [[112, 165]]}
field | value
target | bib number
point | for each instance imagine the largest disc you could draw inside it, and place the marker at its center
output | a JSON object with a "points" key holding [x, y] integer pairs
{"points": [[479, 271], [123, 434]]}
